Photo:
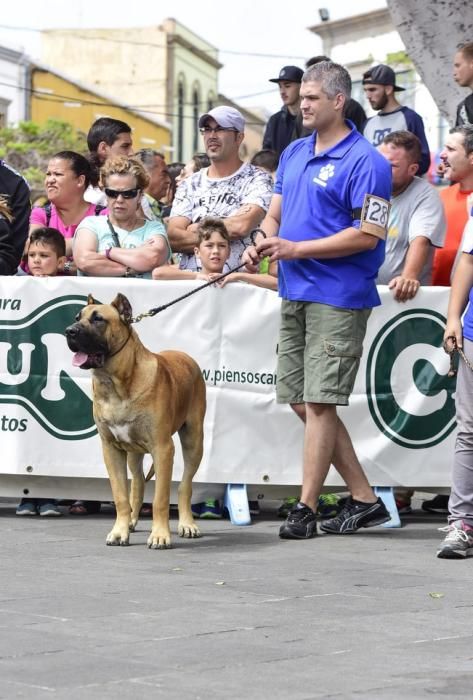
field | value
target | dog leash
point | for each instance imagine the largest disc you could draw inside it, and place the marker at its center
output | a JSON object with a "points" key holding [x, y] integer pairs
{"points": [[158, 309], [453, 369]]}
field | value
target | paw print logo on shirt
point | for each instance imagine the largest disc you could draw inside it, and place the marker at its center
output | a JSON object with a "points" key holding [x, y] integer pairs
{"points": [[326, 172]]}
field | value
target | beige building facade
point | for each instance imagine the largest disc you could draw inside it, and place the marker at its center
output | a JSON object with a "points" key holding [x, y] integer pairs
{"points": [[163, 72]]}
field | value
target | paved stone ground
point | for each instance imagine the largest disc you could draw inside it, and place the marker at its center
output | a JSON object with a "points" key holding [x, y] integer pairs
{"points": [[238, 613]]}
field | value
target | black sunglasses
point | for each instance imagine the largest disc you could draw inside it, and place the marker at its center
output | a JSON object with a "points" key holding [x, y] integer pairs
{"points": [[126, 194]]}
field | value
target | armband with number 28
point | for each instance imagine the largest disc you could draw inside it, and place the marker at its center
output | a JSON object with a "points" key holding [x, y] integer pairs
{"points": [[374, 216]]}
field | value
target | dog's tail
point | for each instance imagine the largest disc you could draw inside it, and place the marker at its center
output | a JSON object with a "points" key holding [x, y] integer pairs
{"points": [[150, 474]]}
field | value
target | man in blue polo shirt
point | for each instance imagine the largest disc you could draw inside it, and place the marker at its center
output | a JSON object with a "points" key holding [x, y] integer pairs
{"points": [[326, 225]]}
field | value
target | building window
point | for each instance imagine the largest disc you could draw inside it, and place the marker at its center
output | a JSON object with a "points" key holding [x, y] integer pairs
{"points": [[195, 119], [180, 121], [210, 101]]}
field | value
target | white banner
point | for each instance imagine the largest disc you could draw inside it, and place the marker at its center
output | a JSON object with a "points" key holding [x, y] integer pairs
{"points": [[401, 415]]}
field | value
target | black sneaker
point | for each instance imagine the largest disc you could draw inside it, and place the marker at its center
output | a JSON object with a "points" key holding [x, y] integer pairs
{"points": [[354, 515], [300, 524], [438, 504]]}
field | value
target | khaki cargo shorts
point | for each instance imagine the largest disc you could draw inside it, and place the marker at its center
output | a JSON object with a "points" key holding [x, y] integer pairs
{"points": [[319, 352]]}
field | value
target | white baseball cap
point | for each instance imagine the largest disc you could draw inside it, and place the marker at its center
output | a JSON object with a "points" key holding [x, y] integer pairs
{"points": [[227, 117]]}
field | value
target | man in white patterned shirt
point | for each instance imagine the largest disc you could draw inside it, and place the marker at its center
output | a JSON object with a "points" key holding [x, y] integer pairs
{"points": [[229, 188]]}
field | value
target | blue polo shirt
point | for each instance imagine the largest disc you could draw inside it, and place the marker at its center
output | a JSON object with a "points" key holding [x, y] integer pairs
{"points": [[320, 196], [467, 247]]}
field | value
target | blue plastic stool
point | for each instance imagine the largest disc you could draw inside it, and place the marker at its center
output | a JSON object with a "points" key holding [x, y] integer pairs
{"points": [[236, 502], [386, 494]]}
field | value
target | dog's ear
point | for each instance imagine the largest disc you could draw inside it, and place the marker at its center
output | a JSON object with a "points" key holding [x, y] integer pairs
{"points": [[90, 299], [123, 307]]}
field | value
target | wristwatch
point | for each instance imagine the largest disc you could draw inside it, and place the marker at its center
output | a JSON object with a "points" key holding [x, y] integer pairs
{"points": [[107, 253]]}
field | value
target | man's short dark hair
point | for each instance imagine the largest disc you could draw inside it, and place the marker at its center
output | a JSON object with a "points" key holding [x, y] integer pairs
{"points": [[209, 225], [467, 131], [200, 160], [406, 140], [147, 156], [51, 237], [105, 129], [466, 49], [316, 59], [266, 159]]}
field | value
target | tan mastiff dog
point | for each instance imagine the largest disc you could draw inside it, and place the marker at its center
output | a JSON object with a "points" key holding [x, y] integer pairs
{"points": [[140, 400]]}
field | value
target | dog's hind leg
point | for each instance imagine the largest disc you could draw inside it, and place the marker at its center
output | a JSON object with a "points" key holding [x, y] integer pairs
{"points": [[191, 436], [163, 456], [115, 461], [135, 465]]}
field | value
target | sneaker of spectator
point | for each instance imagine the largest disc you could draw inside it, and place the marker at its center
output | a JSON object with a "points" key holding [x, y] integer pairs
{"points": [[38, 506], [403, 505], [210, 509], [438, 504], [49, 509], [254, 508], [458, 543], [328, 506], [26, 508], [84, 508]]}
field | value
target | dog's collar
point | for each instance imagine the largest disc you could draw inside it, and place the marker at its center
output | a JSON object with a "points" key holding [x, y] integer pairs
{"points": [[121, 346]]}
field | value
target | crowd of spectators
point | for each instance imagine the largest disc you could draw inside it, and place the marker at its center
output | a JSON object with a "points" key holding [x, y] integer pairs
{"points": [[127, 213]]}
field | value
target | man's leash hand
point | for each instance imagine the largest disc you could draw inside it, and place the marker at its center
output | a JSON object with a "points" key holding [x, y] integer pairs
{"points": [[453, 336], [404, 288], [251, 259], [276, 249]]}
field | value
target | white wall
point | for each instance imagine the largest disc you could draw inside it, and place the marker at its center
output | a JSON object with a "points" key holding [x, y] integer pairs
{"points": [[12, 82]]}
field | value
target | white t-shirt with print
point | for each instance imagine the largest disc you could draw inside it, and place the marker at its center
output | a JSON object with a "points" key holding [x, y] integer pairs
{"points": [[199, 196]]}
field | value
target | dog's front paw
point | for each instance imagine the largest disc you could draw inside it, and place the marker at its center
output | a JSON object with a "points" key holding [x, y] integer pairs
{"points": [[118, 538], [189, 530], [159, 539]]}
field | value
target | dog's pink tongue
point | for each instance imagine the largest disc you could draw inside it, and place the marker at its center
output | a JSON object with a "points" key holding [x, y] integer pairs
{"points": [[79, 358]]}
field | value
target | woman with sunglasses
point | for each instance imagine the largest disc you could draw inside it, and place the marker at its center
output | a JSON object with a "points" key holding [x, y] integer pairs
{"points": [[123, 244]]}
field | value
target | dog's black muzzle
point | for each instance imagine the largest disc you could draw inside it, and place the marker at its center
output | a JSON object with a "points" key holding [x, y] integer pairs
{"points": [[90, 350]]}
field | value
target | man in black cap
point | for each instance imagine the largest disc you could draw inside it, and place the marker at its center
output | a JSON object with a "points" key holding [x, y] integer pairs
{"points": [[379, 84], [280, 127]]}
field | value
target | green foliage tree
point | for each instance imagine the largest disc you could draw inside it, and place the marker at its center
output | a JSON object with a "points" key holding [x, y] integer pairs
{"points": [[29, 146]]}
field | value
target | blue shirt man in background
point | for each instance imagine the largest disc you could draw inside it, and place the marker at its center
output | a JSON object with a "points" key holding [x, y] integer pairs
{"points": [[326, 225]]}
